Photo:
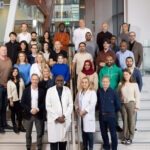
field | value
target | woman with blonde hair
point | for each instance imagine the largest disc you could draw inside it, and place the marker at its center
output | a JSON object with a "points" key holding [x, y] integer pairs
{"points": [[129, 95], [85, 106], [38, 66], [24, 67], [47, 81]]}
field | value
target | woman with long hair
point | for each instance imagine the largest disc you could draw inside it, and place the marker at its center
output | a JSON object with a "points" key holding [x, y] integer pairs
{"points": [[89, 72], [15, 87], [130, 99], [47, 81], [23, 67], [85, 106], [24, 47], [38, 66]]}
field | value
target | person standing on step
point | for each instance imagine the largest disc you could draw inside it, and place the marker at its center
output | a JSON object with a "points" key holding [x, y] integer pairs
{"points": [[130, 99], [15, 87], [59, 105], [109, 104], [85, 106], [33, 104]]}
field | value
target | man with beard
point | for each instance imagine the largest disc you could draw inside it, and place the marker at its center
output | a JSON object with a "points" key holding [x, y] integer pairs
{"points": [[62, 36], [35, 42], [59, 105], [115, 75]]}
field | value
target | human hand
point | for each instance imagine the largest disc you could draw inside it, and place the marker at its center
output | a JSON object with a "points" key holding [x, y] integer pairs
{"points": [[34, 111], [134, 111], [11, 103]]}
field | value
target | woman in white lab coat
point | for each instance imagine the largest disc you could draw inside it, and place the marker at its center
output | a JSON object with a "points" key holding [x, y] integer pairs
{"points": [[85, 106]]}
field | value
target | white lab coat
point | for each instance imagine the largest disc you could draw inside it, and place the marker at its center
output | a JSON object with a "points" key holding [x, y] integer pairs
{"points": [[87, 103], [57, 132]]}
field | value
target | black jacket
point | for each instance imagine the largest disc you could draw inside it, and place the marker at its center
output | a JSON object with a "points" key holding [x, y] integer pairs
{"points": [[26, 102], [13, 50]]}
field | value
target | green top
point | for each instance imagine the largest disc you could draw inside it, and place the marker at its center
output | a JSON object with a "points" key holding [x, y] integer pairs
{"points": [[115, 74]]}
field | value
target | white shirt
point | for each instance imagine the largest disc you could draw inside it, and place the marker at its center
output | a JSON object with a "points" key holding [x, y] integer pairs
{"points": [[34, 98], [79, 36], [24, 37], [35, 68]]}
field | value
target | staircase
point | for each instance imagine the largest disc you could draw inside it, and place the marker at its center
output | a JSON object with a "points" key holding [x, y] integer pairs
{"points": [[12, 141]]}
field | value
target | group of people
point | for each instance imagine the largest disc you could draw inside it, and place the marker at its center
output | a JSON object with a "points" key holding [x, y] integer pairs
{"points": [[34, 79]]}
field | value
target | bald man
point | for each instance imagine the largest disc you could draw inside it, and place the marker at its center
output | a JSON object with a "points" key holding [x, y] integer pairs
{"points": [[101, 36], [109, 104], [59, 105]]}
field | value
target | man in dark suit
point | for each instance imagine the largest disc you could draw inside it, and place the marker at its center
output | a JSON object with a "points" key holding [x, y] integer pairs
{"points": [[33, 103]]}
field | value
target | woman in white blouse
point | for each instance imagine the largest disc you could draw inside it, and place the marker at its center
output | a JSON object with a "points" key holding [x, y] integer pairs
{"points": [[130, 99], [85, 106], [39, 64], [15, 87]]}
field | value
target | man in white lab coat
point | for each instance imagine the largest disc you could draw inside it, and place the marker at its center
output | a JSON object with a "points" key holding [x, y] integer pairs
{"points": [[59, 105]]}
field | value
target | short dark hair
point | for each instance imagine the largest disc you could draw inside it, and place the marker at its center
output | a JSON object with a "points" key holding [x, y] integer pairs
{"points": [[82, 43], [113, 36], [124, 41], [106, 40], [62, 24], [88, 33], [33, 33], [13, 33], [60, 55], [129, 58]]}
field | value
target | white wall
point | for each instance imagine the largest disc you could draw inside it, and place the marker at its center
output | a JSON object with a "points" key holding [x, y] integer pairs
{"points": [[138, 15]]}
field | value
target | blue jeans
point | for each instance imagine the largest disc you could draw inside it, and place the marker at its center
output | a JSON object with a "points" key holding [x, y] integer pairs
{"points": [[88, 138], [105, 123], [3, 106]]}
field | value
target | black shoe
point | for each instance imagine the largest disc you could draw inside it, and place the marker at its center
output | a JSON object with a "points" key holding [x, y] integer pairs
{"points": [[21, 128], [118, 129], [8, 127], [28, 149], [2, 130], [135, 129], [129, 142], [15, 129]]}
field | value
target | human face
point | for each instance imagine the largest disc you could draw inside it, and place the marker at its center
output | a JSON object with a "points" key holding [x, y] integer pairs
{"points": [[125, 28], [132, 36], [15, 73], [46, 35], [23, 46], [126, 76], [104, 27], [60, 60], [61, 28], [34, 49], [46, 73], [39, 58], [34, 80], [123, 46], [106, 46], [88, 36], [82, 23], [87, 66], [12, 37], [129, 62], [46, 46], [82, 48], [57, 45], [113, 40], [22, 57], [105, 83], [59, 81], [33, 37], [109, 61], [24, 28], [3, 51], [85, 84]]}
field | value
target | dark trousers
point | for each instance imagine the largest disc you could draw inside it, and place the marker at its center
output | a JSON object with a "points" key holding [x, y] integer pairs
{"points": [[38, 125], [105, 123], [88, 138], [16, 111], [62, 146], [3, 106]]}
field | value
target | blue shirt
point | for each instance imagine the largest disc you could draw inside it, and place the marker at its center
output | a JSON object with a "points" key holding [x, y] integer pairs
{"points": [[109, 101], [121, 58], [61, 69], [115, 49], [24, 72]]}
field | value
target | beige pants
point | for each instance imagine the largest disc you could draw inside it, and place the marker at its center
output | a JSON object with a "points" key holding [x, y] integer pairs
{"points": [[128, 119]]}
